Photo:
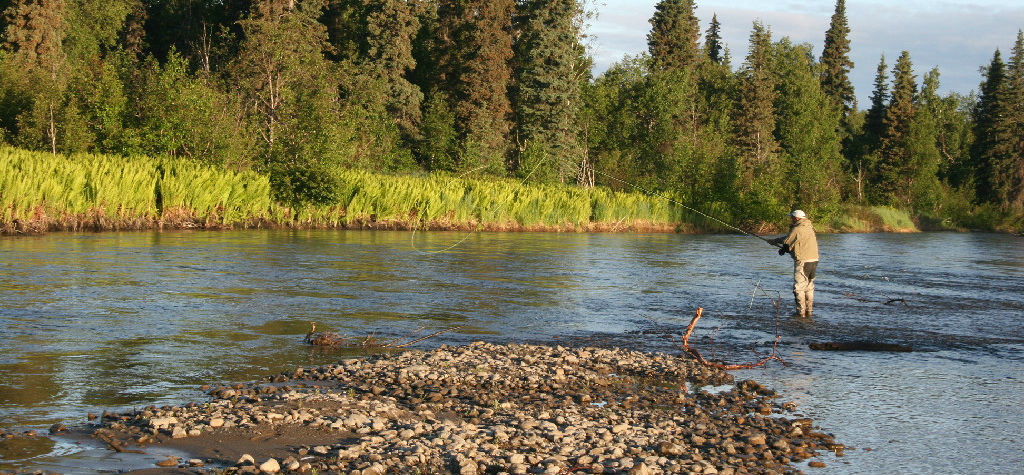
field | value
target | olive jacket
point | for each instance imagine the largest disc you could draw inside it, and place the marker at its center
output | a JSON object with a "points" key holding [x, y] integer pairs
{"points": [[801, 241]]}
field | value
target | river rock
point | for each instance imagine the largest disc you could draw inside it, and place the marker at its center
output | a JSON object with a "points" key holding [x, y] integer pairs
{"points": [[668, 448], [168, 462], [641, 469], [757, 439], [270, 466], [514, 408], [162, 422]]}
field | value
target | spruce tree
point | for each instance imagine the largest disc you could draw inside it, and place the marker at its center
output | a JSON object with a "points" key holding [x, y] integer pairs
{"points": [[391, 26], [1008, 133], [35, 34], [894, 159], [836, 63], [873, 121], [474, 41], [378, 36], [673, 40], [985, 116], [755, 113], [551, 69], [713, 41], [921, 187]]}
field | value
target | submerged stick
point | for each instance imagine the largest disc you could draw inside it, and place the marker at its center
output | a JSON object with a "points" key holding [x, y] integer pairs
{"points": [[116, 447], [860, 346], [332, 339], [696, 354]]}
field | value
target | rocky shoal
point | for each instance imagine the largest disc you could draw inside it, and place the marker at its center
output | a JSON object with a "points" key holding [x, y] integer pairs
{"points": [[488, 408]]}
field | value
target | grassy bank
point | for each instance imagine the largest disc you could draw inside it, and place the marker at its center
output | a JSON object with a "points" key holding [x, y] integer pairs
{"points": [[40, 192]]}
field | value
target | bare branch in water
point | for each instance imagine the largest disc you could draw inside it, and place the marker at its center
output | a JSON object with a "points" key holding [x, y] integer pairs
{"points": [[696, 354]]}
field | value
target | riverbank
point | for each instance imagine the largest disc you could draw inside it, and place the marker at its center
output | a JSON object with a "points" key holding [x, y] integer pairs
{"points": [[41, 192], [858, 220], [483, 408]]}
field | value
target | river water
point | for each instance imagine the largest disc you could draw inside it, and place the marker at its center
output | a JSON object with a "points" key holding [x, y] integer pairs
{"points": [[90, 322]]}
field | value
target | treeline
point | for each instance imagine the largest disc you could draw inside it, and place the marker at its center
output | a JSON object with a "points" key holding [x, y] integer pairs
{"points": [[304, 90]]}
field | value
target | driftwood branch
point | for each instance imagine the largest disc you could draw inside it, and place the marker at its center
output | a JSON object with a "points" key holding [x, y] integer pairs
{"points": [[861, 346], [696, 354], [862, 299], [116, 446], [332, 339]]}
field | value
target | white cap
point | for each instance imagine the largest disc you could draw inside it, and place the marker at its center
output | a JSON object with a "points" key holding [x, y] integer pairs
{"points": [[799, 214]]}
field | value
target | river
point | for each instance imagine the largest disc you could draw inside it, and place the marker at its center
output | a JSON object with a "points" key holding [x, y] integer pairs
{"points": [[93, 322]]}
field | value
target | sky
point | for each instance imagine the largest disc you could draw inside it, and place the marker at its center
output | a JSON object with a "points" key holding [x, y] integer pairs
{"points": [[958, 37]]}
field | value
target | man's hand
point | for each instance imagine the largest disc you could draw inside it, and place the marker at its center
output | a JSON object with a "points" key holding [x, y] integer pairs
{"points": [[783, 249]]}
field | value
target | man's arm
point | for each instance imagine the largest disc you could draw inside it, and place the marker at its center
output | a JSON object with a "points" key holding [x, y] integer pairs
{"points": [[787, 239]]}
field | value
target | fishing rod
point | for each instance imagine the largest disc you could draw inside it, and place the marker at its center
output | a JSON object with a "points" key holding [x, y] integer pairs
{"points": [[730, 226]]}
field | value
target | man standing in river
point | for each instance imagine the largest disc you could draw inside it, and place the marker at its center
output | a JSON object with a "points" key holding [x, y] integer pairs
{"points": [[802, 244]]}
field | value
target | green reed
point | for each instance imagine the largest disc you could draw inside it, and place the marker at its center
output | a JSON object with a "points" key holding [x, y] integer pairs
{"points": [[105, 191]]}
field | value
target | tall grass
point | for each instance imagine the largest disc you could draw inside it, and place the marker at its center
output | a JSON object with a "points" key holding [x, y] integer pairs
{"points": [[41, 191], [220, 197], [451, 201], [855, 218], [42, 187]]}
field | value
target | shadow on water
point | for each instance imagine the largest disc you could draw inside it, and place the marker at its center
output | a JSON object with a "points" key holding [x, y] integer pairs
{"points": [[109, 321]]}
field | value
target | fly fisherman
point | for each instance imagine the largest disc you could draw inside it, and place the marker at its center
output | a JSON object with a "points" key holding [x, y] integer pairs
{"points": [[802, 244]]}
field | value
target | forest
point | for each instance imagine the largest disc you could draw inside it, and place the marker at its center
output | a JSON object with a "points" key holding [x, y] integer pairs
{"points": [[308, 93]]}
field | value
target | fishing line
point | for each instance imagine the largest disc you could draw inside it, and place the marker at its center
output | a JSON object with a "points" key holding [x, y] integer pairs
{"points": [[412, 240], [652, 193]]}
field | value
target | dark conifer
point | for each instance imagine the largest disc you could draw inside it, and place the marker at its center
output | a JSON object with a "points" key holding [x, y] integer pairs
{"points": [[836, 63], [894, 160], [713, 41], [873, 120], [551, 69], [35, 35], [391, 26], [674, 35], [475, 46], [985, 115], [1008, 133], [755, 120]]}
